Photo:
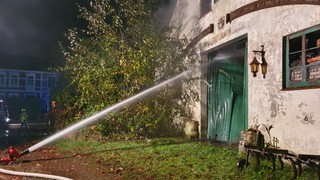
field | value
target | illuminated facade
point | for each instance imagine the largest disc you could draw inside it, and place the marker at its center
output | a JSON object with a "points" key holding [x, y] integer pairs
{"points": [[24, 84]]}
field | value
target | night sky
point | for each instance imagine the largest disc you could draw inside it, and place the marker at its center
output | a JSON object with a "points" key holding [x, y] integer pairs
{"points": [[31, 29]]}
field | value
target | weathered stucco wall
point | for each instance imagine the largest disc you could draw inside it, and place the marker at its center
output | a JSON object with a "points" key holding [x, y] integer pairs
{"points": [[295, 115], [183, 20]]}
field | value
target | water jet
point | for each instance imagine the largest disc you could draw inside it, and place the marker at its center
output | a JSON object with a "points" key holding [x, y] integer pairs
{"points": [[91, 119]]}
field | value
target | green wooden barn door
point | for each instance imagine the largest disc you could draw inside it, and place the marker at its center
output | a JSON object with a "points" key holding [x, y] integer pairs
{"points": [[227, 99]]}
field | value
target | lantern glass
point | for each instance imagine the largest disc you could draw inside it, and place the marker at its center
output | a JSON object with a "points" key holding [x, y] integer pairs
{"points": [[264, 66], [254, 66]]}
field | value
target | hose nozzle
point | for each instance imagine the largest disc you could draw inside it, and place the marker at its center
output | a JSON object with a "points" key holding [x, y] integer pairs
{"points": [[24, 152]]}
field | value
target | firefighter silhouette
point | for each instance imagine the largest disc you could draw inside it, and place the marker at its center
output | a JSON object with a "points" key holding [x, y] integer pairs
{"points": [[24, 119]]}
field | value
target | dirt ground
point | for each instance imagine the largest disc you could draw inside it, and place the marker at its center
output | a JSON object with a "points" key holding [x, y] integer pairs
{"points": [[49, 160]]}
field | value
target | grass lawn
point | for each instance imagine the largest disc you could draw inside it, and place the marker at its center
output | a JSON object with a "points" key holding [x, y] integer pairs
{"points": [[173, 159]]}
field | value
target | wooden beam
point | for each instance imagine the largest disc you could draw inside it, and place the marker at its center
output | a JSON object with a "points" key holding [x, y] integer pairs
{"points": [[264, 4], [204, 33]]}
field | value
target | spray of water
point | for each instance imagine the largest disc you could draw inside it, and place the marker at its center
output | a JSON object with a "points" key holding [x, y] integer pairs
{"points": [[93, 118]]}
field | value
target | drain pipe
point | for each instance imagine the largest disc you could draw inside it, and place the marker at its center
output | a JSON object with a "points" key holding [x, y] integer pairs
{"points": [[39, 175]]}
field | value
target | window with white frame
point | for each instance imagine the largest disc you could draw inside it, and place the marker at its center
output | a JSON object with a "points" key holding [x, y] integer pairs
{"points": [[14, 79], [302, 59], [30, 80]]}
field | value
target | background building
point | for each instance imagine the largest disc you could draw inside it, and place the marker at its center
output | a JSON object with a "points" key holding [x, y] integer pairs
{"points": [[23, 84]]}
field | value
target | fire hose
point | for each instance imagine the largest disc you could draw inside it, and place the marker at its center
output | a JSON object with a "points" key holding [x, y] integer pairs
{"points": [[13, 155]]}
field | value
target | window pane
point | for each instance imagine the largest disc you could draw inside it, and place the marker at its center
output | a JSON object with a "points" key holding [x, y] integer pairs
{"points": [[30, 81], [313, 73], [295, 75], [313, 47], [295, 44], [13, 80], [295, 51], [312, 39], [313, 56], [295, 59]]}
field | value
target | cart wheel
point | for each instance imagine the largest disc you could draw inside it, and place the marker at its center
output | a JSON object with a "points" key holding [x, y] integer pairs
{"points": [[281, 162], [294, 168]]}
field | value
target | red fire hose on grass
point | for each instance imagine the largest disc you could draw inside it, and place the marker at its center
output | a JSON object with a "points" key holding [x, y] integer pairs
{"points": [[13, 155]]}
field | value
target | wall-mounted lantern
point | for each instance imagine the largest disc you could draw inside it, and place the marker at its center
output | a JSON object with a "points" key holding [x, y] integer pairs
{"points": [[255, 63]]}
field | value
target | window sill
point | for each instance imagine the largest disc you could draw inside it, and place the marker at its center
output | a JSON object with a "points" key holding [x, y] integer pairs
{"points": [[300, 88]]}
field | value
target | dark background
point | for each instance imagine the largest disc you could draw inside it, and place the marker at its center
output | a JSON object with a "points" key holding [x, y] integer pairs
{"points": [[31, 29]]}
